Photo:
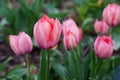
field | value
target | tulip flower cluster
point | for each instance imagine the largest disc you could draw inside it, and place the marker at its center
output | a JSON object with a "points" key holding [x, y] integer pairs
{"points": [[111, 17], [47, 32], [103, 45]]}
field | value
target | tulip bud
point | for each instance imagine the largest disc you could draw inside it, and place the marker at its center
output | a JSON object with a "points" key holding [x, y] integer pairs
{"points": [[21, 43], [72, 34], [47, 32], [101, 26], [111, 14], [103, 46]]}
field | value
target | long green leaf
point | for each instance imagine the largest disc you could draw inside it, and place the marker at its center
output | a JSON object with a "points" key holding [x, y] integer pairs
{"points": [[16, 73], [60, 70], [4, 64]]}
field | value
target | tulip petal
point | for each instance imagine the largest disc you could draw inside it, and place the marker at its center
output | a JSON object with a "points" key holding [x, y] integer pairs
{"points": [[78, 39], [96, 44], [25, 43], [72, 41], [65, 41], [14, 44], [108, 52], [41, 33], [102, 48], [56, 32]]}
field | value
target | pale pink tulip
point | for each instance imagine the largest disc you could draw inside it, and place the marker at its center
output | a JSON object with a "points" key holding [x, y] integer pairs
{"points": [[21, 43], [103, 46], [101, 26], [111, 14], [47, 32], [72, 34]]}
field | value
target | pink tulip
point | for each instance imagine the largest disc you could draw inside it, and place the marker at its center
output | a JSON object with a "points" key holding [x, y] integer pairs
{"points": [[21, 43], [103, 46], [111, 14], [72, 34], [47, 32], [101, 26]]}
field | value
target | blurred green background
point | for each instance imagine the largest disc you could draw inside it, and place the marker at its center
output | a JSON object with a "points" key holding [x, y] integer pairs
{"points": [[21, 15]]}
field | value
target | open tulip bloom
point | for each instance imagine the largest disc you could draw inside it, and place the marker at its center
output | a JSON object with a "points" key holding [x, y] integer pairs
{"points": [[103, 46], [101, 26], [72, 34], [111, 14], [47, 32], [20, 44]]}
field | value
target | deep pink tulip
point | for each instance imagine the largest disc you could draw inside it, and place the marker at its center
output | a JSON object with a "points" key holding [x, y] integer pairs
{"points": [[103, 46], [47, 32], [21, 43], [111, 14], [101, 26], [72, 34]]}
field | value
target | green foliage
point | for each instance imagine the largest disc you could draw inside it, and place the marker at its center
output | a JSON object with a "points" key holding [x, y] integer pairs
{"points": [[78, 66], [87, 11], [60, 70], [24, 16], [19, 72], [4, 64], [16, 73], [116, 37]]}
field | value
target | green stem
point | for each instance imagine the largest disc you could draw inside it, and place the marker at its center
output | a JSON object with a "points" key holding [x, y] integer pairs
{"points": [[113, 64], [28, 66], [44, 65], [92, 55], [97, 67], [47, 71]]}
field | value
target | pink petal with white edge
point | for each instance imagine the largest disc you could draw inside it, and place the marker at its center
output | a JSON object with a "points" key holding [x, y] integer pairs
{"points": [[56, 32], [72, 41], [96, 43], [25, 43], [41, 33], [102, 48], [14, 44]]}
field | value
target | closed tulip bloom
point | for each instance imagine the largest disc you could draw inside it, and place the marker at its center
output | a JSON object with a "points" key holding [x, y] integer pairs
{"points": [[20, 43], [111, 14], [47, 32], [103, 46], [101, 26], [72, 34]]}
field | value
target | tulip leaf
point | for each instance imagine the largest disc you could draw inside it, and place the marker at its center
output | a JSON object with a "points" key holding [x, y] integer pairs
{"points": [[116, 37], [16, 73], [4, 64], [116, 42], [87, 21], [60, 70]]}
